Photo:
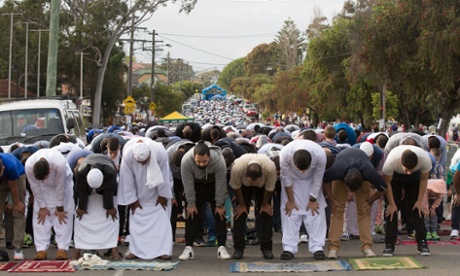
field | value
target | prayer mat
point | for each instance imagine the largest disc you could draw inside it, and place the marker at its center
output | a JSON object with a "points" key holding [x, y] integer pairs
{"points": [[132, 265], [383, 263], [7, 265], [43, 266], [445, 242], [290, 267]]}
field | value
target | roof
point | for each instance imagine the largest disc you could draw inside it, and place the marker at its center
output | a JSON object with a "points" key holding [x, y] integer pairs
{"points": [[175, 117], [4, 90]]}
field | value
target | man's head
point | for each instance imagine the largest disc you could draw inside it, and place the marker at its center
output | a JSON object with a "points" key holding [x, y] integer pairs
{"points": [[342, 136], [368, 149], [41, 169], [309, 135], [302, 159], [95, 178], [433, 142], [329, 132], [382, 140], [436, 153], [253, 173], [141, 152], [409, 161], [113, 147], [201, 154], [229, 157], [353, 180]]}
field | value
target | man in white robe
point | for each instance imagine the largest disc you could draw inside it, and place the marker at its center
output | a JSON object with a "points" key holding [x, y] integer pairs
{"points": [[51, 181], [146, 185], [96, 223], [302, 164]]}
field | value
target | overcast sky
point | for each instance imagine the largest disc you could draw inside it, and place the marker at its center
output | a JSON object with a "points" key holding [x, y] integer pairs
{"points": [[219, 31]]}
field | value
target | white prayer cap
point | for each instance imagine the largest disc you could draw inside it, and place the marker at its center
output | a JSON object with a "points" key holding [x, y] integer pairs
{"points": [[141, 152], [94, 178], [367, 148]]}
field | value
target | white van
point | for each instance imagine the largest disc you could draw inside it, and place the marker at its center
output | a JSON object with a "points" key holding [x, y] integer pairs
{"points": [[34, 119]]}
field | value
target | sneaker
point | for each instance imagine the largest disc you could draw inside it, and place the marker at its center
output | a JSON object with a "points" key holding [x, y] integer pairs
{"points": [[286, 255], [346, 236], [422, 248], [188, 254], [454, 234], [429, 236], [199, 242], [376, 238], [9, 245], [332, 254], [411, 235], [303, 238], [319, 255], [389, 250], [18, 255], [369, 253], [238, 254], [211, 241], [434, 236], [268, 254], [222, 253]]}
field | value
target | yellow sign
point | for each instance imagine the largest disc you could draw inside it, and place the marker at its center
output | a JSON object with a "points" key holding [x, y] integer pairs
{"points": [[129, 110], [129, 102], [152, 106]]}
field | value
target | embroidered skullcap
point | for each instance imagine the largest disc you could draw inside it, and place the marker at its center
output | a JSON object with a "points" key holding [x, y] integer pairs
{"points": [[367, 148], [141, 152], [95, 178]]}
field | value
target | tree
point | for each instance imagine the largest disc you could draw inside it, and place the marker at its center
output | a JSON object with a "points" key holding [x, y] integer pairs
{"points": [[233, 70], [262, 58], [290, 45], [116, 19]]}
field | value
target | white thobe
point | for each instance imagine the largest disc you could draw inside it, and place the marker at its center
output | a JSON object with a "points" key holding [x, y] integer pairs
{"points": [[149, 227], [304, 184], [95, 230], [56, 190]]}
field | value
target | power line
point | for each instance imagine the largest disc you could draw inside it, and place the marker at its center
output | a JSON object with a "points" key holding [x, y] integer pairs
{"points": [[196, 49], [225, 36]]}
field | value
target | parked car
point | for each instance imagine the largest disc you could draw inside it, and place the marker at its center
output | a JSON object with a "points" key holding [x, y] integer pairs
{"points": [[252, 112]]}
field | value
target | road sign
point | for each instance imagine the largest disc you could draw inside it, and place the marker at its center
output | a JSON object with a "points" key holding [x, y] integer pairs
{"points": [[129, 109], [129, 101], [152, 106]]}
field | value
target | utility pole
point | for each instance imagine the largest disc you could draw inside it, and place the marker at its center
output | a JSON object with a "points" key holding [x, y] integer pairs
{"points": [[39, 53], [53, 47], [130, 70], [11, 50], [26, 61], [152, 80]]}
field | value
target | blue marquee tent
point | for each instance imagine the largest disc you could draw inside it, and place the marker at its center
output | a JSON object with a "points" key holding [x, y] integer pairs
{"points": [[211, 91]]}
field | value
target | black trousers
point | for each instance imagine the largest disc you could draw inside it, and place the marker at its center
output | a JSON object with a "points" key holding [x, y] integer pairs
{"points": [[205, 192], [410, 185], [264, 232]]}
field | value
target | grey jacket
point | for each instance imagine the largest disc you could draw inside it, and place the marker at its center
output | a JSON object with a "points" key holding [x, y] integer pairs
{"points": [[215, 172]]}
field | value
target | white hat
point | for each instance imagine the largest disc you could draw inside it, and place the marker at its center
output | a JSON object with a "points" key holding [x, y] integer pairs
{"points": [[94, 178], [141, 152], [367, 147]]}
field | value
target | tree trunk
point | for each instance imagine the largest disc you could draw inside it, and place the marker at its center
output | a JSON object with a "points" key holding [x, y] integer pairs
{"points": [[100, 83]]}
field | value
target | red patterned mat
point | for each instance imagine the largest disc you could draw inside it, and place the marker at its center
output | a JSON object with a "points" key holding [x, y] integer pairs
{"points": [[441, 242], [6, 266], [43, 266]]}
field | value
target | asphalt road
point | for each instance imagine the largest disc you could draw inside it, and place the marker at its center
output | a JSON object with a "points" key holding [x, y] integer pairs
{"points": [[443, 260]]}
